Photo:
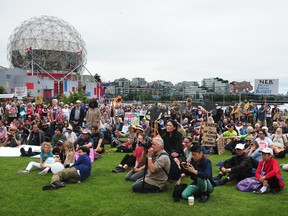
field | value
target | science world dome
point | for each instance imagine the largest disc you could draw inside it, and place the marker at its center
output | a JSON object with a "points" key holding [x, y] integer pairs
{"points": [[47, 43]]}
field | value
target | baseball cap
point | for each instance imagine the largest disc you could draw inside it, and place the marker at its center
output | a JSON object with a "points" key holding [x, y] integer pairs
{"points": [[85, 131], [267, 151], [240, 146]]}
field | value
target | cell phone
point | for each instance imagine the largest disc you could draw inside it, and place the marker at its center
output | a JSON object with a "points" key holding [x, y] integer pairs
{"points": [[186, 165]]}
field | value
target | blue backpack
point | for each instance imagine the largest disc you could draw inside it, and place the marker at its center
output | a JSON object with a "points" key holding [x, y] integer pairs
{"points": [[174, 171]]}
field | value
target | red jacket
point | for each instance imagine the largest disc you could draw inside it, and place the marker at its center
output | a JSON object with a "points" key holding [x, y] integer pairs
{"points": [[271, 168]]}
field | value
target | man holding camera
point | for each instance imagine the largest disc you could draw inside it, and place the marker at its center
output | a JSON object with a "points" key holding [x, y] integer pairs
{"points": [[12, 139]]}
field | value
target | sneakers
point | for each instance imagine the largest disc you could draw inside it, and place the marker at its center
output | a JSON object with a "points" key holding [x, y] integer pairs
{"points": [[23, 153], [30, 151], [118, 169], [261, 191], [219, 182], [50, 187], [44, 172], [59, 183], [203, 198], [20, 172]]}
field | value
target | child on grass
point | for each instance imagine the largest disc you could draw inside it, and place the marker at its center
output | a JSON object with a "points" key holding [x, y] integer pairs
{"points": [[70, 154], [46, 151]]}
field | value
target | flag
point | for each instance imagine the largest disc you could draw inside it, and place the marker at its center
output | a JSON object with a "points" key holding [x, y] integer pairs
{"points": [[79, 52], [28, 48]]}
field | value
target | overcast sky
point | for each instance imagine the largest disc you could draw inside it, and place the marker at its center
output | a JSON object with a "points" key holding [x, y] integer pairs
{"points": [[170, 40]]}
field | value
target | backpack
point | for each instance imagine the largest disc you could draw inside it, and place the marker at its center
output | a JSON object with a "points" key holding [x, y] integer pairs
{"points": [[249, 184], [174, 171]]}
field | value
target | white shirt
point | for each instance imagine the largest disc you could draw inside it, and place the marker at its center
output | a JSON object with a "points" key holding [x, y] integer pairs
{"points": [[263, 143]]}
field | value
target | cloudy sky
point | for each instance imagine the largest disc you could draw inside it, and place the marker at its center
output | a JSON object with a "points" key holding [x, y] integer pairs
{"points": [[171, 40]]}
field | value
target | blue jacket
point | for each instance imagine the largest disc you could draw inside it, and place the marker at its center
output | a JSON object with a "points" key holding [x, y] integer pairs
{"points": [[83, 164], [203, 167]]}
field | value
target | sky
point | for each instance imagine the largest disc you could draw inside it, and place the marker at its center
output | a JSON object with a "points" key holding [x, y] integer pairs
{"points": [[179, 40]]}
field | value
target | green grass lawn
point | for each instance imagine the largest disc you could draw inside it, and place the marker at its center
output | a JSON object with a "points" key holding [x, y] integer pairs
{"points": [[107, 193]]}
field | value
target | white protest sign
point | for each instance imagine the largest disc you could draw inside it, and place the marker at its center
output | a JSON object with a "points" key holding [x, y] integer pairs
{"points": [[266, 86], [21, 92]]}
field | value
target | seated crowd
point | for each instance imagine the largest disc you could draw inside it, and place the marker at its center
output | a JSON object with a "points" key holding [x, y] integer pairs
{"points": [[75, 134]]}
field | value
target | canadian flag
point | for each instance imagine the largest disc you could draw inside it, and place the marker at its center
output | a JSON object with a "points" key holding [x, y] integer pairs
{"points": [[79, 52], [28, 48]]}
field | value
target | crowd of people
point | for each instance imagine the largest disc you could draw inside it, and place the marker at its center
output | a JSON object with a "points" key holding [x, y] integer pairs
{"points": [[73, 133]]}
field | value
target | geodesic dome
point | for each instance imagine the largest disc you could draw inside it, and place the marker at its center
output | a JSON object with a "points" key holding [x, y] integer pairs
{"points": [[50, 43]]}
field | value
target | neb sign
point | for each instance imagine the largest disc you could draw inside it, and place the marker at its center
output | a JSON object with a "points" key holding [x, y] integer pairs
{"points": [[266, 86]]}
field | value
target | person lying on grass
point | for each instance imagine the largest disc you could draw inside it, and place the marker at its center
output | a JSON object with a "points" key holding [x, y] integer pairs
{"points": [[79, 171]]}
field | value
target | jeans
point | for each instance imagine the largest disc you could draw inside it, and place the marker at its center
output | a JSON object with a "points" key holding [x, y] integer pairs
{"points": [[143, 187], [133, 176]]}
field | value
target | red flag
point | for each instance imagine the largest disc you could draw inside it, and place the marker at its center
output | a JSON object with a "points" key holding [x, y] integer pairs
{"points": [[28, 48], [79, 52]]}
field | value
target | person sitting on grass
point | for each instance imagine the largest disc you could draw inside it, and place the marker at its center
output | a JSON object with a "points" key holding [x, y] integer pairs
{"points": [[237, 168], [155, 179], [59, 151], [200, 171], [58, 135], [84, 140], [138, 170], [12, 139], [130, 144], [97, 137], [69, 154], [46, 151], [78, 172], [268, 173]]}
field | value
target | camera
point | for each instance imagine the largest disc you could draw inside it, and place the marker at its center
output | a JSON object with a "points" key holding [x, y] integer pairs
{"points": [[147, 144], [10, 137]]}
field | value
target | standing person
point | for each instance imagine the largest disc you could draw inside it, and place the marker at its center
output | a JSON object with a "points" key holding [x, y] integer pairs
{"points": [[156, 178], [55, 114], [235, 113], [12, 112], [46, 151], [79, 171], [77, 116], [200, 171], [3, 132], [261, 115], [268, 173], [93, 114], [2, 112], [66, 112]]}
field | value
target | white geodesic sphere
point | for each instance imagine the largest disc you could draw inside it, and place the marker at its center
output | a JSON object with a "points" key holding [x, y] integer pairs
{"points": [[50, 43]]}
